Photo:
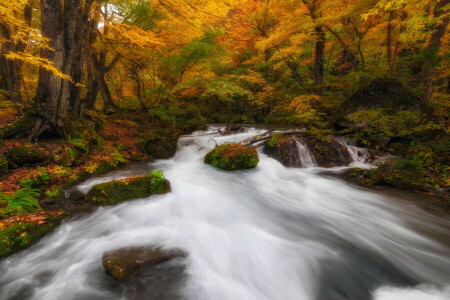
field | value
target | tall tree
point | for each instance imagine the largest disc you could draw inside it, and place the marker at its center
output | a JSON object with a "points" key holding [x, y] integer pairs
{"points": [[66, 25]]}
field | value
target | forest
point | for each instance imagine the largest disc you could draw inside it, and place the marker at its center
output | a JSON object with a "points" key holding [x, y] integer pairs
{"points": [[88, 87]]}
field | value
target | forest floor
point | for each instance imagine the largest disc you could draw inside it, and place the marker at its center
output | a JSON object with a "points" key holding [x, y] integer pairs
{"points": [[114, 141]]}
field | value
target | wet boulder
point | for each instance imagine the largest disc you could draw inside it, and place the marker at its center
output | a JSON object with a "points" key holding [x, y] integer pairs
{"points": [[303, 150], [128, 188], [159, 143], [122, 263], [284, 149], [232, 157], [19, 156], [329, 153]]}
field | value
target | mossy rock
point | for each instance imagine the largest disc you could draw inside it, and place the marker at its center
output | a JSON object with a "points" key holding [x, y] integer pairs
{"points": [[160, 143], [122, 263], [19, 156], [407, 177], [3, 165], [18, 236], [128, 188], [232, 157]]}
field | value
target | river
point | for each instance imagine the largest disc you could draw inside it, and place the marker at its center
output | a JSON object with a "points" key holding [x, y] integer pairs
{"points": [[267, 233]]}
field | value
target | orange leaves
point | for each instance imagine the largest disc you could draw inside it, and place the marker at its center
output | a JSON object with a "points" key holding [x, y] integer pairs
{"points": [[39, 218]]}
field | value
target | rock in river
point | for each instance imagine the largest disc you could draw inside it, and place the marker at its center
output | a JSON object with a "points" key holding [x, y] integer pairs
{"points": [[122, 263]]}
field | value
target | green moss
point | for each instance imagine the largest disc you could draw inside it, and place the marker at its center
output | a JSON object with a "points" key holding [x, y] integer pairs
{"points": [[16, 237], [3, 165], [25, 123], [160, 143], [129, 188], [274, 139], [232, 157], [18, 156]]}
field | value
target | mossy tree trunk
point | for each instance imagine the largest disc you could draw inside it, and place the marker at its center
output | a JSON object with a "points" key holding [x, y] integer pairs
{"points": [[66, 25]]}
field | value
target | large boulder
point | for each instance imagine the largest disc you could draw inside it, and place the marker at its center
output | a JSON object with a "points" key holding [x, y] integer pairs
{"points": [[128, 188], [19, 156], [232, 157], [122, 263], [326, 154], [383, 93], [159, 143]]}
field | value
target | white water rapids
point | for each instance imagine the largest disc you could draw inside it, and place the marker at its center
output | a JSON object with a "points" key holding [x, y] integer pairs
{"points": [[266, 233]]}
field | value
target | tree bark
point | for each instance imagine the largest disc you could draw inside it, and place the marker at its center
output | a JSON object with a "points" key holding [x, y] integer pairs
{"points": [[319, 58]]}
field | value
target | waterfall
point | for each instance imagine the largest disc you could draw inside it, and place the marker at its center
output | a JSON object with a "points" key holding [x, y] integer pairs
{"points": [[307, 158], [269, 233]]}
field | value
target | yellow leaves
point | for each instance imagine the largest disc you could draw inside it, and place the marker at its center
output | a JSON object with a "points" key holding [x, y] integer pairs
{"points": [[134, 36], [253, 77], [38, 62], [304, 103]]}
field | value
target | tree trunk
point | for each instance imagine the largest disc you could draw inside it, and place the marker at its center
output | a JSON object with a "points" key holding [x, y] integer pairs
{"points": [[297, 77], [100, 71], [432, 49], [66, 25], [92, 86], [10, 70], [319, 58], [389, 42]]}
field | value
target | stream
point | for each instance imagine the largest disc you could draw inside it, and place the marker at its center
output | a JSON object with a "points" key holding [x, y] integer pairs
{"points": [[267, 233]]}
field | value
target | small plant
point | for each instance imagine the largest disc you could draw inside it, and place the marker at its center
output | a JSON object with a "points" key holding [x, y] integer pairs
{"points": [[81, 144], [36, 179], [157, 178]]}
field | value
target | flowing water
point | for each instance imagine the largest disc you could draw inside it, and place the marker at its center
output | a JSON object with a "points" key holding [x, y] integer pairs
{"points": [[266, 233], [306, 157]]}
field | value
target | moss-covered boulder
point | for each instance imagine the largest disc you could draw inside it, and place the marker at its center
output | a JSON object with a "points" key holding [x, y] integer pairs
{"points": [[19, 156], [122, 263], [402, 176], [232, 157], [383, 93], [159, 143], [3, 165], [391, 173], [22, 234], [129, 188]]}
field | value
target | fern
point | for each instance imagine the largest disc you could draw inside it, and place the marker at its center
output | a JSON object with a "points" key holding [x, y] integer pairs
{"points": [[23, 200]]}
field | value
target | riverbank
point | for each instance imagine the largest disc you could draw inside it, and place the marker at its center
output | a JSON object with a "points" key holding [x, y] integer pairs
{"points": [[104, 143]]}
